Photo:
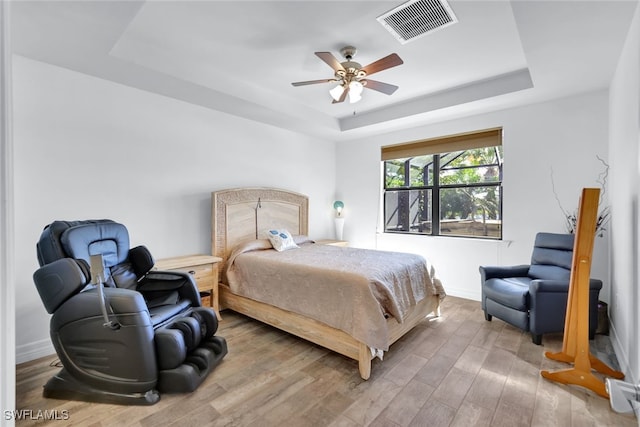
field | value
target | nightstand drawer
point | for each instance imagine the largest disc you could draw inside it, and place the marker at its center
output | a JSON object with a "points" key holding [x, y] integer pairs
{"points": [[203, 274]]}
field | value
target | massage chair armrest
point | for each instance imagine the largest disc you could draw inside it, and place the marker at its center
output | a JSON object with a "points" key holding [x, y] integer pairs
{"points": [[60, 280], [116, 355], [150, 281], [125, 306], [163, 281], [501, 272]]}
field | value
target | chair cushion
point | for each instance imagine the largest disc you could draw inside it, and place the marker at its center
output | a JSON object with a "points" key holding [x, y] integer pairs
{"points": [[109, 239], [562, 242], [49, 247], [512, 292], [552, 256]]}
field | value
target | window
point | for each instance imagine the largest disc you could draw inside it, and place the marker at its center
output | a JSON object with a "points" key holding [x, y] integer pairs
{"points": [[449, 186]]}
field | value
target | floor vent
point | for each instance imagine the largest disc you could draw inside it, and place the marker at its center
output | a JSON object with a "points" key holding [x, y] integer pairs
{"points": [[417, 18]]}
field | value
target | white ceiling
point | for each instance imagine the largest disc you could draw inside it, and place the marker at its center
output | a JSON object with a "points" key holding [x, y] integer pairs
{"points": [[240, 57]]}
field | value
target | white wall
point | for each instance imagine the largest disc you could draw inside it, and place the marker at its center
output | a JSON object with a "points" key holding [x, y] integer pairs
{"points": [[565, 135], [625, 195], [89, 148]]}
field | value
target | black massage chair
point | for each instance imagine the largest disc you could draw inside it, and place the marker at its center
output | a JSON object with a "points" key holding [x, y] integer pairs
{"points": [[124, 333]]}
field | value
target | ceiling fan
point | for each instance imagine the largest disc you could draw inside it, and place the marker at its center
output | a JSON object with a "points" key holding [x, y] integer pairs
{"points": [[352, 77]]}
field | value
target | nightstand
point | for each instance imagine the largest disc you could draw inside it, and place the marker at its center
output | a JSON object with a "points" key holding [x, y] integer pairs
{"points": [[332, 242], [204, 269]]}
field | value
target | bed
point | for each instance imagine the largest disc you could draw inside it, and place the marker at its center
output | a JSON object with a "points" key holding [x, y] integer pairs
{"points": [[355, 302]]}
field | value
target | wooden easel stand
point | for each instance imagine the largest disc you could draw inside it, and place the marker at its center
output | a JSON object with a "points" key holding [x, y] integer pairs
{"points": [[575, 344]]}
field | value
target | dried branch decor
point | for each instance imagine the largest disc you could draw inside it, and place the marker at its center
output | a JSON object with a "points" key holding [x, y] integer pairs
{"points": [[603, 212]]}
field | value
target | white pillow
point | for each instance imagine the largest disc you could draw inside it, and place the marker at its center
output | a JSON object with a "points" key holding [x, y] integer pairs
{"points": [[281, 240]]}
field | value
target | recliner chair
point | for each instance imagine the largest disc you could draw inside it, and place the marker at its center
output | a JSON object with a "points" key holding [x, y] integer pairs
{"points": [[129, 334], [534, 297]]}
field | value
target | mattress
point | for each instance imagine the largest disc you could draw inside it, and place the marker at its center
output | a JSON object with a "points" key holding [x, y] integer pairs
{"points": [[351, 289]]}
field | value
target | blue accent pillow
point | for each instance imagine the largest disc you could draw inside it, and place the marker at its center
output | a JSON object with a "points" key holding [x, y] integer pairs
{"points": [[281, 240]]}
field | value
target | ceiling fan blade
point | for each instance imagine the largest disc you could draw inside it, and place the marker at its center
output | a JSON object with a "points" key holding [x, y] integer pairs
{"points": [[383, 63], [342, 97], [385, 88], [312, 82], [331, 60]]}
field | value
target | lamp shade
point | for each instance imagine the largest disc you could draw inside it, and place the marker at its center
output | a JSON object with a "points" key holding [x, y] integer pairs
{"points": [[338, 205], [355, 91], [336, 92]]}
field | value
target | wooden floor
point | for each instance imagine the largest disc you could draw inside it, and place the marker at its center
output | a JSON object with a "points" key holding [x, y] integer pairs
{"points": [[456, 370]]}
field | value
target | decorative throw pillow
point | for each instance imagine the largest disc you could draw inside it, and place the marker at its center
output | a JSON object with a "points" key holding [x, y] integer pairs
{"points": [[281, 240]]}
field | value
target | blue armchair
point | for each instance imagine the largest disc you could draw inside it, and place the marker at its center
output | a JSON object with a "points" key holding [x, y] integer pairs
{"points": [[534, 297]]}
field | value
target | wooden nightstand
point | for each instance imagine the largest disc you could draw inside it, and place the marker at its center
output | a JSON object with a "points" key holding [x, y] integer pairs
{"points": [[204, 268], [332, 242]]}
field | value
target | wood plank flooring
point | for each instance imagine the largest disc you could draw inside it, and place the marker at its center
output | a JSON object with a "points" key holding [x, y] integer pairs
{"points": [[456, 370]]}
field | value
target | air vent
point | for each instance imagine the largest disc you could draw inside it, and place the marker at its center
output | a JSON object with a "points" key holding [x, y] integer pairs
{"points": [[417, 18]]}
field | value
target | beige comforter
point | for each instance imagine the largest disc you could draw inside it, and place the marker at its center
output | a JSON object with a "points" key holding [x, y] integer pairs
{"points": [[347, 288]]}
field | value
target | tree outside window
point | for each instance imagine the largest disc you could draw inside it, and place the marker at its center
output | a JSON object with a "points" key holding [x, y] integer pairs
{"points": [[457, 193]]}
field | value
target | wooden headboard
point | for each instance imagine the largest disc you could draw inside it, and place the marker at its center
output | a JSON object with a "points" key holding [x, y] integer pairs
{"points": [[242, 214]]}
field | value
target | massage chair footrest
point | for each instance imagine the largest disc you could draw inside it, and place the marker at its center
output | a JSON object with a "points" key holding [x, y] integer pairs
{"points": [[198, 364], [65, 387]]}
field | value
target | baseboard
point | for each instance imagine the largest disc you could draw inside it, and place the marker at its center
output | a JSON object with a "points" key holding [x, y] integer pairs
{"points": [[463, 293], [621, 355], [35, 350]]}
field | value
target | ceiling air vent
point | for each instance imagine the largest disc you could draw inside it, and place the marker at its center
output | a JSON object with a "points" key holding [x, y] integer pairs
{"points": [[417, 18]]}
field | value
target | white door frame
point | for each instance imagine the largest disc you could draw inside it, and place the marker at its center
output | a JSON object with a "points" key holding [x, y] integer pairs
{"points": [[7, 246]]}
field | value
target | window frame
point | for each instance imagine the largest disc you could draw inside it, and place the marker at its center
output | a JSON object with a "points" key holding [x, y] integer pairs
{"points": [[459, 143]]}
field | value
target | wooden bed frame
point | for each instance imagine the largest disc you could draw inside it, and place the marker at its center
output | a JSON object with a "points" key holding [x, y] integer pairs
{"points": [[239, 215]]}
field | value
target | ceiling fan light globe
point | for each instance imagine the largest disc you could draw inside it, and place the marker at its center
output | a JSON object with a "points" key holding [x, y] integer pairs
{"points": [[336, 92], [355, 88]]}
